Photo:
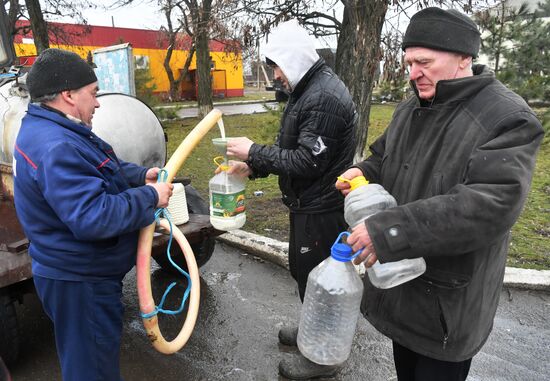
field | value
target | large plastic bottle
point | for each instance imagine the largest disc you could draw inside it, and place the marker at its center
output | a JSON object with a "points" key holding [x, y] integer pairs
{"points": [[227, 199], [331, 308], [363, 201]]}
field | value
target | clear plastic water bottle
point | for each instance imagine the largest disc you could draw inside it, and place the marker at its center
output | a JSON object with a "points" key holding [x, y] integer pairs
{"points": [[363, 201], [331, 308], [227, 199]]}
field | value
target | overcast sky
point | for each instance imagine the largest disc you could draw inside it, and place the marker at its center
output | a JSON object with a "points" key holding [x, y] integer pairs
{"points": [[142, 15]]}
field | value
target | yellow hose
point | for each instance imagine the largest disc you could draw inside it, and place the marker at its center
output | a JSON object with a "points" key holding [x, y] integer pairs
{"points": [[143, 266]]}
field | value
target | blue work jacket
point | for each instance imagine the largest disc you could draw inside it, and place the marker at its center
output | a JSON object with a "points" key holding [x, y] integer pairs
{"points": [[80, 207]]}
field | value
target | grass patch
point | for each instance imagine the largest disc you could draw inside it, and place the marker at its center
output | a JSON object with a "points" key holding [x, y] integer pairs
{"points": [[266, 215], [380, 118], [530, 247]]}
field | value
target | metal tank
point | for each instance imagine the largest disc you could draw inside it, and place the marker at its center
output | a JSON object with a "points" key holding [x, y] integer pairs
{"points": [[132, 128], [13, 106]]}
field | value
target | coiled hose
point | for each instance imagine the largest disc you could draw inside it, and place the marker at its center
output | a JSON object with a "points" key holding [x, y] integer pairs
{"points": [[145, 295]]}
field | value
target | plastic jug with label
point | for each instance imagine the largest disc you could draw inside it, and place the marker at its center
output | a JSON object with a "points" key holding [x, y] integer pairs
{"points": [[227, 199]]}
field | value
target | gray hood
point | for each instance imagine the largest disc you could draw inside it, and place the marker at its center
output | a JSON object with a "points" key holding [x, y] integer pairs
{"points": [[292, 49]]}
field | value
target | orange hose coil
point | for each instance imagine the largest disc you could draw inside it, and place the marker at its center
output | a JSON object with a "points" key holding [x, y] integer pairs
{"points": [[145, 242]]}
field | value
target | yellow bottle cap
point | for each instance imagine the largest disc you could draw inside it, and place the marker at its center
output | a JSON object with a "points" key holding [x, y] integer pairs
{"points": [[222, 165], [356, 182]]}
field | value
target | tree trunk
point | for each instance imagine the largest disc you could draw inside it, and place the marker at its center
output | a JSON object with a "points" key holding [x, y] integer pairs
{"points": [[38, 26], [204, 76], [185, 70], [173, 93], [12, 17], [358, 58], [502, 25], [172, 35]]}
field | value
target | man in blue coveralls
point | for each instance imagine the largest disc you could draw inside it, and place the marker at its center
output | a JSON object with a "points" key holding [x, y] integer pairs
{"points": [[81, 209]]}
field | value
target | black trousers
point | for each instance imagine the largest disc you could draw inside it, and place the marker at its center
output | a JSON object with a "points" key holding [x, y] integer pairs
{"points": [[411, 366], [311, 237]]}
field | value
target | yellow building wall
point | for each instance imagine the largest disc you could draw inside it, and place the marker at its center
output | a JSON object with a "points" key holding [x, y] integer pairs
{"points": [[233, 65], [230, 62]]}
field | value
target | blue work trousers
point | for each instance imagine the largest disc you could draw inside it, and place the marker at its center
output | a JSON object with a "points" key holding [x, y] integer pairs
{"points": [[87, 318]]}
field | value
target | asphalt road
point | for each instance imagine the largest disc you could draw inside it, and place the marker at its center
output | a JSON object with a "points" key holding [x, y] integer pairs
{"points": [[244, 302]]}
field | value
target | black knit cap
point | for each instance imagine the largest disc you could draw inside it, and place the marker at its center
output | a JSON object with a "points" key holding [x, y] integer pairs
{"points": [[57, 70], [440, 29]]}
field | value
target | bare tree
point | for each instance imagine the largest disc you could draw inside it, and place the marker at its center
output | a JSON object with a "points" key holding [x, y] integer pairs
{"points": [[200, 14], [13, 14], [358, 56], [196, 19], [38, 25], [39, 14], [176, 40], [199, 19]]}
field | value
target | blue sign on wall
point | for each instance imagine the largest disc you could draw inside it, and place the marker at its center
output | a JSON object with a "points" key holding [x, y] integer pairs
{"points": [[115, 69]]}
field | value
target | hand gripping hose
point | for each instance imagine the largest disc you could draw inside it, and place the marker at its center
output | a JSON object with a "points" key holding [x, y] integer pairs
{"points": [[146, 302]]}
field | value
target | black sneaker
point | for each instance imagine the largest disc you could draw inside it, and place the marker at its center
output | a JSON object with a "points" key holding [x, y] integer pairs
{"points": [[288, 336], [297, 367]]}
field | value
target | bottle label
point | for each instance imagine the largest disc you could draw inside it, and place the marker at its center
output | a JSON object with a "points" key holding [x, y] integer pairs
{"points": [[227, 205]]}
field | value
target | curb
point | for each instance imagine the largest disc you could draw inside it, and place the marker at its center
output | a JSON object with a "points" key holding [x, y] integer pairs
{"points": [[252, 101], [266, 248], [527, 279], [276, 252]]}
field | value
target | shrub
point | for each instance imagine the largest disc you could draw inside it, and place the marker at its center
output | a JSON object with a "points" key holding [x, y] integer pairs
{"points": [[145, 87]]}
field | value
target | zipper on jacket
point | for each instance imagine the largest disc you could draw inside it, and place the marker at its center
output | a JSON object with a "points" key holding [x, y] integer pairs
{"points": [[443, 324], [445, 338]]}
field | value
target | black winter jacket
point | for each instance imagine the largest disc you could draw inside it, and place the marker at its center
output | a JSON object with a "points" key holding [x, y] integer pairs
{"points": [[460, 169], [315, 143]]}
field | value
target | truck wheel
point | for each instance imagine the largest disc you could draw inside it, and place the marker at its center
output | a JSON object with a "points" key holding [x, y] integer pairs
{"points": [[202, 250], [9, 344]]}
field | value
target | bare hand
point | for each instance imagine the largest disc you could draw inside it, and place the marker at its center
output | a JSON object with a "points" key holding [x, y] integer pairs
{"points": [[343, 186], [360, 239], [239, 168], [239, 147], [164, 191], [152, 175]]}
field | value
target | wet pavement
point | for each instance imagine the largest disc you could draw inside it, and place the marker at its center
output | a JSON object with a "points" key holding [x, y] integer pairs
{"points": [[244, 302], [232, 109]]}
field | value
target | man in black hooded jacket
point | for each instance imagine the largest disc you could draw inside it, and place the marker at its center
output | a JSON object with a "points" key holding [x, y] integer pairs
{"points": [[458, 157], [316, 143]]}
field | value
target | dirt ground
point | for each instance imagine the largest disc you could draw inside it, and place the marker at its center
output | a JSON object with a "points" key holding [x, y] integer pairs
{"points": [[268, 217]]}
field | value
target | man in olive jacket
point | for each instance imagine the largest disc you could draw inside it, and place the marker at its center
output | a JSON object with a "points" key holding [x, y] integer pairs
{"points": [[459, 158], [315, 144]]}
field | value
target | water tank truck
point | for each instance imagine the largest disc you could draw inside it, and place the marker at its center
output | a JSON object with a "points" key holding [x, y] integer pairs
{"points": [[118, 118]]}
